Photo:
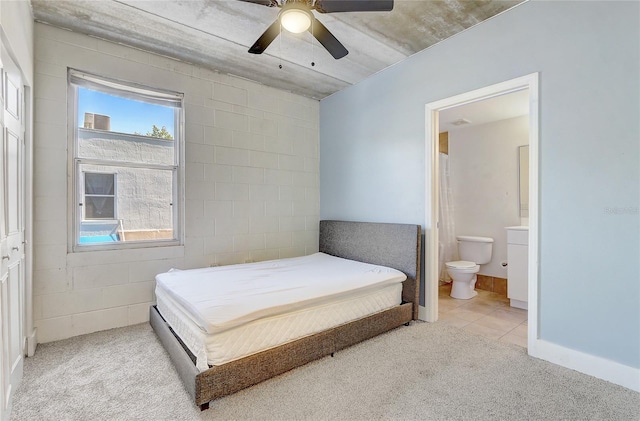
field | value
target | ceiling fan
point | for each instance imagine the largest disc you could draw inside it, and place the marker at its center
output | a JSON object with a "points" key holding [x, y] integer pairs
{"points": [[296, 16]]}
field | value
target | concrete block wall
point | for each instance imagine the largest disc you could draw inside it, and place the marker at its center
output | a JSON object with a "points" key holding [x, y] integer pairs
{"points": [[251, 183]]}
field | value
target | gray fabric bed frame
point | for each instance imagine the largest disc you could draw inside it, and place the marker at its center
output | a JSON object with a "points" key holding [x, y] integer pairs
{"points": [[393, 245]]}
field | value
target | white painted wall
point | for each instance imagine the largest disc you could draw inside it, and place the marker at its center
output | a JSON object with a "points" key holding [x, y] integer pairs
{"points": [[588, 58], [252, 183], [483, 165]]}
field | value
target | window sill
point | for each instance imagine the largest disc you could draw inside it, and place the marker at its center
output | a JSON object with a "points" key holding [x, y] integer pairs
{"points": [[133, 252]]}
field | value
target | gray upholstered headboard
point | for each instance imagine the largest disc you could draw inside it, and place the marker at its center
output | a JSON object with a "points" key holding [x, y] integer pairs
{"points": [[392, 245]]}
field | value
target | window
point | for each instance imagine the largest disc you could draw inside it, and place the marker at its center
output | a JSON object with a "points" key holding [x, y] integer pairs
{"points": [[99, 196], [126, 160]]}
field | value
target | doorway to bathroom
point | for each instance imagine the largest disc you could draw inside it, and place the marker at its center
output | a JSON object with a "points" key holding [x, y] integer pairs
{"points": [[482, 108]]}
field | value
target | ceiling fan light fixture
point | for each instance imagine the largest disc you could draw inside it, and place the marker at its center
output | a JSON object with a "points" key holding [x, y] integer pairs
{"points": [[295, 19], [296, 16]]}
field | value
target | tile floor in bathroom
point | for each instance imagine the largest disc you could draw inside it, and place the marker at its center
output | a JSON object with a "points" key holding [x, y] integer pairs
{"points": [[487, 314]]}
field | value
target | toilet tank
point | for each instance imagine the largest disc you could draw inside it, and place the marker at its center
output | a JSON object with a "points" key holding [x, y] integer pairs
{"points": [[475, 249]]}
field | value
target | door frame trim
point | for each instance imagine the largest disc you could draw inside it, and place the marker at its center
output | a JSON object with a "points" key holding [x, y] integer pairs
{"points": [[429, 312]]}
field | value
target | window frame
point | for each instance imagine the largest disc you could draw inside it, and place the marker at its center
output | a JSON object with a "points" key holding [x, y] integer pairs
{"points": [[128, 90]]}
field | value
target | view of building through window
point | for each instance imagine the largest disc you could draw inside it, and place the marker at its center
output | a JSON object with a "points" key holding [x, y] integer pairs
{"points": [[126, 165]]}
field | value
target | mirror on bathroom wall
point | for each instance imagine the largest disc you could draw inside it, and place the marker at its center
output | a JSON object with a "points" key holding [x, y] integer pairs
{"points": [[523, 177]]}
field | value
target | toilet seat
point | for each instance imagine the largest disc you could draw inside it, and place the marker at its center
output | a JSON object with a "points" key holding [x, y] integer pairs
{"points": [[461, 264]]}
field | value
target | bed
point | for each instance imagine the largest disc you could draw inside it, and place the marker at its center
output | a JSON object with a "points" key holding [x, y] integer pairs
{"points": [[225, 352]]}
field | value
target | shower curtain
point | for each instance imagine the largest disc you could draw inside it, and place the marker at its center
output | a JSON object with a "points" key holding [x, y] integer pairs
{"points": [[447, 246]]}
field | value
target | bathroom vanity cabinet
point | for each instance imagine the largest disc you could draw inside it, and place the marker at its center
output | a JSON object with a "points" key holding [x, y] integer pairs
{"points": [[518, 265]]}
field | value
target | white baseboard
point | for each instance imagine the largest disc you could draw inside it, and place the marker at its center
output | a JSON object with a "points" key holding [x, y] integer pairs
{"points": [[519, 304], [424, 315], [592, 365], [32, 342]]}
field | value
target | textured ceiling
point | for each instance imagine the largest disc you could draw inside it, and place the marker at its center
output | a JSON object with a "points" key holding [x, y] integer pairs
{"points": [[217, 34]]}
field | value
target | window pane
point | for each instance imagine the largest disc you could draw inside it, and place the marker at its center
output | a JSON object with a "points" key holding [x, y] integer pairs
{"points": [[122, 129], [144, 201], [98, 184], [99, 207], [102, 111]]}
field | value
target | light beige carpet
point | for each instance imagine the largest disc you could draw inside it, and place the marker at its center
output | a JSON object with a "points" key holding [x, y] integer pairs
{"points": [[423, 371]]}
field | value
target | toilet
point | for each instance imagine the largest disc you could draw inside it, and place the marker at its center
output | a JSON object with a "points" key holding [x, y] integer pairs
{"points": [[473, 251]]}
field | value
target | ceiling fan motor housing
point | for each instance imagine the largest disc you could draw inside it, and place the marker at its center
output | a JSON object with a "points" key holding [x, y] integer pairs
{"points": [[307, 3]]}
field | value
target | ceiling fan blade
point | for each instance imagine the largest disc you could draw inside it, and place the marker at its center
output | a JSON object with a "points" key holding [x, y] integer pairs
{"points": [[269, 3], [265, 39], [332, 6], [328, 41]]}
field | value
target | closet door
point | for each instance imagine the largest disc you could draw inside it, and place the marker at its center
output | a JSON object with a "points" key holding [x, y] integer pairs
{"points": [[4, 272], [12, 270]]}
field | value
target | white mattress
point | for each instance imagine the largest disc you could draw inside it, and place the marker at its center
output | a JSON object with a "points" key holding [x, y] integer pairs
{"points": [[226, 313], [224, 297], [265, 333]]}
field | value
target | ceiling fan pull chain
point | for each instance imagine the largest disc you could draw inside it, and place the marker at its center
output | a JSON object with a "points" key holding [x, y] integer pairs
{"points": [[280, 40], [313, 51]]}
